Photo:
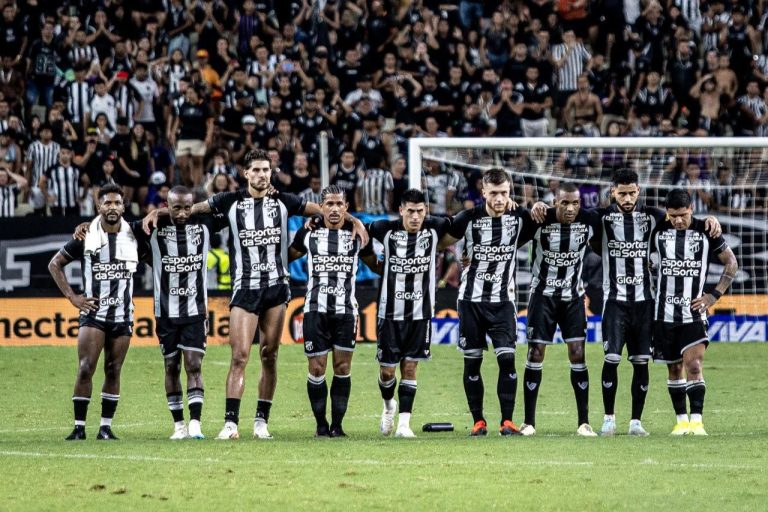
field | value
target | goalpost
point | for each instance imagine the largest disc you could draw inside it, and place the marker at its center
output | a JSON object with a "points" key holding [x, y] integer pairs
{"points": [[732, 184]]}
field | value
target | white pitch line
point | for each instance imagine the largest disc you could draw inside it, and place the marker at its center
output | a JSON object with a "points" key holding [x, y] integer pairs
{"points": [[49, 429], [93, 456]]}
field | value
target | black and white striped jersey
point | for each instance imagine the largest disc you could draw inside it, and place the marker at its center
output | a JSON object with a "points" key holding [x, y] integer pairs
{"points": [[179, 267], [43, 156], [558, 254], [491, 246], [682, 269], [79, 95], [625, 247], [64, 185], [407, 290], [105, 278], [8, 195], [258, 241], [374, 184], [568, 73], [332, 260]]}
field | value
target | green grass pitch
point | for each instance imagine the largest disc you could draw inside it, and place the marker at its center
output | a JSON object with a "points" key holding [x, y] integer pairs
{"points": [[437, 471]]}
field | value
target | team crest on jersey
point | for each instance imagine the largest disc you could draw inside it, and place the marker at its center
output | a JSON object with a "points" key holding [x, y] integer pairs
{"points": [[425, 242], [272, 208], [194, 240], [510, 226], [346, 245], [308, 346], [643, 227], [693, 245], [529, 331], [579, 238]]}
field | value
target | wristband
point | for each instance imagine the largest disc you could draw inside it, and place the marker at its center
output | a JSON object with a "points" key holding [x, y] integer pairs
{"points": [[716, 294]]}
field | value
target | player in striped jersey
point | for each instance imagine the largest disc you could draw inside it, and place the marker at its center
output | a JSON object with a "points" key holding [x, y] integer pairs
{"points": [[179, 246], [557, 298], [627, 318], [487, 295], [106, 307], [259, 255], [680, 335], [406, 303], [330, 307], [10, 185]]}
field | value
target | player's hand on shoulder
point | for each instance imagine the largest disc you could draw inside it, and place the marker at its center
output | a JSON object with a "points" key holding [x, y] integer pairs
{"points": [[539, 212], [512, 204], [272, 192], [359, 231], [85, 304], [149, 222], [313, 222], [713, 226], [80, 231]]}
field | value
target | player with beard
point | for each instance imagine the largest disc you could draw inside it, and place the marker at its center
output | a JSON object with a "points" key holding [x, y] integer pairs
{"points": [[109, 256], [330, 307], [680, 335], [623, 242], [486, 302], [259, 256]]}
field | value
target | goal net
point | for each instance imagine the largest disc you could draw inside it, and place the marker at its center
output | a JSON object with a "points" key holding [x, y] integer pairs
{"points": [[727, 178]]}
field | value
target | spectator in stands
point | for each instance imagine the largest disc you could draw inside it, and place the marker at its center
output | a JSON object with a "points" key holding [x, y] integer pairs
{"points": [[753, 112], [584, 109], [698, 187], [441, 188], [193, 125], [569, 58], [537, 98], [42, 61], [374, 189], [10, 153], [11, 184], [62, 185]]}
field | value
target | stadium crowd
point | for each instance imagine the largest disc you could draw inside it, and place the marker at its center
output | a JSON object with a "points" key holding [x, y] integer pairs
{"points": [[152, 93]]}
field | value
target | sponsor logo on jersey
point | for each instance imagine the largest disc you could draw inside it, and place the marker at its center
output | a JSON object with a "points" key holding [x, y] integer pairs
{"points": [[267, 266], [245, 204], [558, 283], [678, 301], [340, 263], [681, 268], [487, 276], [109, 271], [621, 249], [510, 225], [415, 265], [415, 295], [668, 235], [181, 264], [111, 301], [398, 236], [630, 280], [493, 252], [183, 292], [260, 237], [337, 291]]}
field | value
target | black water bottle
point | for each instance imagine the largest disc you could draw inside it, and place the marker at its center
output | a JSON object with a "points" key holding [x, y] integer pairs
{"points": [[437, 427]]}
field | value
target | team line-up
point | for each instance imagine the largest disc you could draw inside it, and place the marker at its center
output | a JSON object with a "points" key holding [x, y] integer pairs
{"points": [[659, 315]]}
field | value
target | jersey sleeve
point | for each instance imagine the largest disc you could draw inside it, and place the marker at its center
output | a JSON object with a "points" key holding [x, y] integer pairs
{"points": [[73, 250], [459, 224], [717, 245], [440, 224], [298, 240], [222, 202], [293, 203], [529, 228], [379, 229]]}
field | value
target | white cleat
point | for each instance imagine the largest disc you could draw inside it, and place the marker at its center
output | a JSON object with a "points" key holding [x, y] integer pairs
{"points": [[405, 432], [229, 431], [260, 430], [585, 430], [636, 429], [179, 433], [194, 430], [527, 430], [609, 427], [387, 423]]}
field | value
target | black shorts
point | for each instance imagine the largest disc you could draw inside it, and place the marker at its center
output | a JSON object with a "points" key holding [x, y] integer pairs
{"points": [[477, 320], [262, 300], [629, 323], [175, 336], [403, 339], [324, 332], [111, 330], [671, 340], [546, 313]]}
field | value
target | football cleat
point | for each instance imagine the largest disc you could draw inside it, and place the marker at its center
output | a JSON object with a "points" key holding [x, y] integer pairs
{"points": [[508, 428], [697, 428], [405, 432], [527, 430], [106, 434], [78, 434], [179, 432], [683, 428], [322, 431], [337, 431], [636, 429], [229, 431], [387, 423], [194, 430], [585, 430], [260, 430], [609, 427], [480, 428]]}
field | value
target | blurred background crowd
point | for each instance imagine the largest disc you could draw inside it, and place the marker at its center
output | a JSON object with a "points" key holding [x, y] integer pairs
{"points": [[152, 93]]}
